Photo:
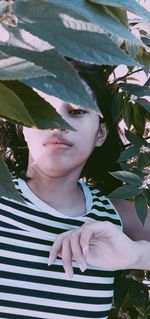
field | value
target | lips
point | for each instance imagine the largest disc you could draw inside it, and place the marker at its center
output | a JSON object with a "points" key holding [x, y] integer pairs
{"points": [[57, 140]]}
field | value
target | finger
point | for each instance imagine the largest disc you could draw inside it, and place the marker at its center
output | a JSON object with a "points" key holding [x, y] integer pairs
{"points": [[85, 237], [57, 247], [67, 258], [55, 250], [90, 230], [77, 251]]}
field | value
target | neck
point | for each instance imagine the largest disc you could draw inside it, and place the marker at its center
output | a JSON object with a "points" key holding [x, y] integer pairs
{"points": [[62, 193]]}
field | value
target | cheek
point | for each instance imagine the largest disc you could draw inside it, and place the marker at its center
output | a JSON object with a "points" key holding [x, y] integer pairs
{"points": [[33, 141], [89, 136]]}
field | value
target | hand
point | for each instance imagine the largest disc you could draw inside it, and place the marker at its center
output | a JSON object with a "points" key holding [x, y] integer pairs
{"points": [[98, 244]]}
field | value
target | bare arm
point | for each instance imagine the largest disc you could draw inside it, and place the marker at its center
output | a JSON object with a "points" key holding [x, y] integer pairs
{"points": [[132, 226], [100, 244]]}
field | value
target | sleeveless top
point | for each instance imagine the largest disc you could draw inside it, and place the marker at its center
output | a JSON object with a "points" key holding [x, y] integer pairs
{"points": [[29, 288]]}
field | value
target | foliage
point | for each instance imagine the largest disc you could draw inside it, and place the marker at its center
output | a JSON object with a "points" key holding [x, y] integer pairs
{"points": [[41, 34], [131, 300], [92, 31]]}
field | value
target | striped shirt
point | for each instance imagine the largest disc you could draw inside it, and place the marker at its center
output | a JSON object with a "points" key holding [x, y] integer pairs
{"points": [[29, 288]]}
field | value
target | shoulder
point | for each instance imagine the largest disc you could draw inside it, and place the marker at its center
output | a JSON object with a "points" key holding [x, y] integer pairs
{"points": [[131, 222], [102, 208]]}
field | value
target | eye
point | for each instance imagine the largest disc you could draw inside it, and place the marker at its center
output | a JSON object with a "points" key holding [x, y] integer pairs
{"points": [[77, 112]]}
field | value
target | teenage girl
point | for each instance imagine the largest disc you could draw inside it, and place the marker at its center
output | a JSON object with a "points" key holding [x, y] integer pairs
{"points": [[63, 208]]}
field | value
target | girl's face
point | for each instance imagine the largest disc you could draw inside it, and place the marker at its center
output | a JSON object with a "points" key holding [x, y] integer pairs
{"points": [[57, 152]]}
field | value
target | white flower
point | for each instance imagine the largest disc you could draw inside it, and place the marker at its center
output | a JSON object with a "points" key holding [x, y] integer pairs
{"points": [[144, 149]]}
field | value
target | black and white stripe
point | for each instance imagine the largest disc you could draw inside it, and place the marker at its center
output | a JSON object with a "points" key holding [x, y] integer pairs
{"points": [[29, 288]]}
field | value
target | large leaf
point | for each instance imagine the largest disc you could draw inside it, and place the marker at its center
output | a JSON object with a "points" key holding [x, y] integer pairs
{"points": [[128, 177], [134, 139], [128, 153], [95, 47], [139, 119], [41, 112], [116, 106], [125, 192], [135, 89], [141, 207], [23, 39], [144, 103], [143, 161], [127, 5], [116, 13], [7, 188], [127, 113], [13, 68], [28, 14], [13, 108], [64, 83]]}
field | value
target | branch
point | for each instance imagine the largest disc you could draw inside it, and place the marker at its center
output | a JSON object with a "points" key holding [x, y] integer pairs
{"points": [[126, 75]]}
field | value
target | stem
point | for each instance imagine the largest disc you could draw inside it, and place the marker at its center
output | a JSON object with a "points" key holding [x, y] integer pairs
{"points": [[123, 315], [126, 75], [10, 7]]}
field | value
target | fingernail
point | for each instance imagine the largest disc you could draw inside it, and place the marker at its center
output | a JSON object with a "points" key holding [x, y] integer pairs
{"points": [[49, 261], [82, 267]]}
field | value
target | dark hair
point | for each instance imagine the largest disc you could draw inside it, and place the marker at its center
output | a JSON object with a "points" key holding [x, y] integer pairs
{"points": [[103, 160]]}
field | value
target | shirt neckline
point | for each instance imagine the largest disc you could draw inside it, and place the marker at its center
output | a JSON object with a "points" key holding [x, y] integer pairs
{"points": [[34, 199]]}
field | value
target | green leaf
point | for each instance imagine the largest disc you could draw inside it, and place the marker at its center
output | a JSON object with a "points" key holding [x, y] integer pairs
{"points": [[143, 161], [128, 113], [132, 6], [13, 68], [139, 119], [7, 188], [147, 195], [144, 103], [117, 13], [125, 192], [134, 139], [120, 291], [138, 293], [13, 108], [135, 89], [28, 14], [31, 56], [23, 39], [128, 177], [43, 114], [130, 152], [95, 47], [116, 107], [132, 48], [141, 207], [64, 83], [147, 310]]}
